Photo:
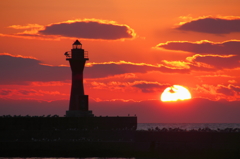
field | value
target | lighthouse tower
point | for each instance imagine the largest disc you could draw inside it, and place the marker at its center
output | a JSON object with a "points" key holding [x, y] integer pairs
{"points": [[78, 106]]}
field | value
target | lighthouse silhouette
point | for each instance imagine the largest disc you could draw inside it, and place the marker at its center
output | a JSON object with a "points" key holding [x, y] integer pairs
{"points": [[78, 105]]}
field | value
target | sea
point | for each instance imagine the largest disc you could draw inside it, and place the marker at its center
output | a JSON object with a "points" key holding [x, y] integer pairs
{"points": [[187, 126]]}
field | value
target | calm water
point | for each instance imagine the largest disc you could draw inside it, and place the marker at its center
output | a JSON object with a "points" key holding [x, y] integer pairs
{"points": [[65, 158], [188, 126]]}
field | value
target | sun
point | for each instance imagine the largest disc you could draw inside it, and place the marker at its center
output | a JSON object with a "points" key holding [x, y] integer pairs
{"points": [[175, 93]]}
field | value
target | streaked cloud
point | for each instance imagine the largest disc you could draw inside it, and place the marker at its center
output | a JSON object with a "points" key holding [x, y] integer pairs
{"points": [[229, 90], [5, 92], [22, 70], [122, 67], [177, 64], [29, 26], [206, 62], [30, 71], [212, 25], [215, 61], [51, 83], [149, 87], [26, 92], [135, 86], [230, 47]]}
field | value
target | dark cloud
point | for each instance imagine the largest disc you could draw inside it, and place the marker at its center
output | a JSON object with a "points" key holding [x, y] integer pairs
{"points": [[152, 111], [204, 47], [18, 70], [5, 92], [229, 90], [219, 62], [212, 26], [104, 70], [225, 91], [150, 87], [216, 55], [89, 30], [27, 92], [235, 88]]}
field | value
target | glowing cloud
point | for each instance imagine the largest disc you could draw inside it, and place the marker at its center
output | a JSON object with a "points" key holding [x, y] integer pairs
{"points": [[90, 29], [177, 64], [83, 29]]}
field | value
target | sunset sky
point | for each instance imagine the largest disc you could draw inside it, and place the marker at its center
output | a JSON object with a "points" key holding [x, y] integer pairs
{"points": [[136, 50]]}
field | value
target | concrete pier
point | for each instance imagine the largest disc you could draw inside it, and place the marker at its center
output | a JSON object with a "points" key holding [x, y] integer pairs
{"points": [[119, 143]]}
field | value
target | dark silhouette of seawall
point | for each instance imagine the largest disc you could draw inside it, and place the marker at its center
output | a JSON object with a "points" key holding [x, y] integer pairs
{"points": [[65, 137], [64, 123], [118, 143]]}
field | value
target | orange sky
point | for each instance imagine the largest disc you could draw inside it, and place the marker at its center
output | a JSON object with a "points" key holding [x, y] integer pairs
{"points": [[136, 49]]}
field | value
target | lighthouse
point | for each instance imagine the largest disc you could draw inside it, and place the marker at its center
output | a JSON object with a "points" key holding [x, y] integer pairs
{"points": [[78, 105]]}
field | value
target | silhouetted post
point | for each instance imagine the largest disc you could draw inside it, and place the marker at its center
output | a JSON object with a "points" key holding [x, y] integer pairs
{"points": [[78, 106]]}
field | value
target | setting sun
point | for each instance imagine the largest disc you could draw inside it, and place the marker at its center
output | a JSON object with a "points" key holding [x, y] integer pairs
{"points": [[175, 93]]}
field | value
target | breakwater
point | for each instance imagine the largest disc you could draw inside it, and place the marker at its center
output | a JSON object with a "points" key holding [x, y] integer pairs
{"points": [[66, 137], [118, 143], [64, 123]]}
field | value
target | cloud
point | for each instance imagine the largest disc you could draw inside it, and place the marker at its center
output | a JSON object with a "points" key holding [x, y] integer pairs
{"points": [[225, 90], [29, 26], [150, 111], [51, 83], [22, 70], [144, 86], [89, 30], [26, 93], [176, 64], [19, 70], [209, 56], [207, 62], [28, 70], [212, 25], [83, 29], [230, 47], [229, 90], [149, 87], [215, 61], [5, 92], [122, 67]]}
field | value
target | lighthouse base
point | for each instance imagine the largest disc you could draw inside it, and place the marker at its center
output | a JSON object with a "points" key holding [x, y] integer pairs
{"points": [[79, 113]]}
